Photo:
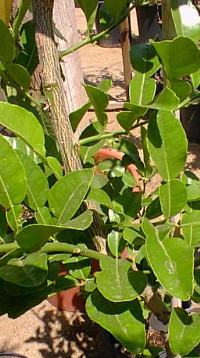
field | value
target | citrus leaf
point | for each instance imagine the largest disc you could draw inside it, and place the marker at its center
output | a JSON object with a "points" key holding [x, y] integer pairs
{"points": [[190, 227], [117, 281], [171, 260], [124, 320], [66, 196], [168, 161], [184, 331], [173, 197]]}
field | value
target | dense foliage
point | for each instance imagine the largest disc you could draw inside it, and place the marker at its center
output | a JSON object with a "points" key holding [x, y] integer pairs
{"points": [[41, 224]]}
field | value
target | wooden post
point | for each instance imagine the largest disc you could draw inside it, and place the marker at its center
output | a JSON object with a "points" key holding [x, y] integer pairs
{"points": [[66, 35], [125, 44]]}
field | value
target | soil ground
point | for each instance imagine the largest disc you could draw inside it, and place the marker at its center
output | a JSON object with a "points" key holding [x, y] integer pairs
{"points": [[44, 332]]}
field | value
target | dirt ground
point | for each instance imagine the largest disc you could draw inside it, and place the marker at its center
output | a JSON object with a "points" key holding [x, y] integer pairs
{"points": [[44, 332]]}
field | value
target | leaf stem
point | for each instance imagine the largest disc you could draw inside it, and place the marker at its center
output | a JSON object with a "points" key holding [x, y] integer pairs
{"points": [[108, 135], [58, 247], [94, 38]]}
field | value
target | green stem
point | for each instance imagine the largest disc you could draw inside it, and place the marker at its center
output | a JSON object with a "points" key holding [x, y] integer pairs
{"points": [[94, 38], [108, 135], [58, 247]]}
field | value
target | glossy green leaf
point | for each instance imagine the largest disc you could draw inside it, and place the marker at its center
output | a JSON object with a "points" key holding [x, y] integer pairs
{"points": [[30, 271], [113, 240], [43, 216], [14, 217], [3, 222], [19, 75], [153, 210], [66, 196], [128, 179], [131, 234], [24, 124], [182, 88], [118, 282], [167, 100], [172, 262], [99, 181], [184, 331], [89, 8], [142, 90], [196, 79], [37, 184], [99, 196], [99, 101], [124, 320], [55, 166], [78, 267], [186, 61], [193, 190], [105, 85], [168, 161], [80, 222], [113, 10], [126, 119], [144, 59], [127, 203], [12, 177], [76, 116], [33, 237], [7, 44], [173, 197], [127, 146], [190, 227]]}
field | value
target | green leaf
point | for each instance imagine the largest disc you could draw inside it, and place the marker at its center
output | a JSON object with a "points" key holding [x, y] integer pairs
{"points": [[89, 8], [14, 217], [66, 196], [30, 271], [105, 85], [127, 203], [33, 237], [55, 166], [196, 79], [171, 260], [193, 190], [78, 267], [19, 74], [37, 184], [128, 179], [99, 101], [184, 331], [28, 56], [99, 196], [153, 210], [173, 197], [113, 239], [182, 88], [24, 124], [99, 181], [168, 161], [167, 100], [76, 116], [12, 179], [80, 222], [186, 61], [7, 44], [126, 119], [144, 59], [190, 227], [124, 320], [131, 234], [142, 90], [43, 216], [127, 146], [113, 10], [117, 281]]}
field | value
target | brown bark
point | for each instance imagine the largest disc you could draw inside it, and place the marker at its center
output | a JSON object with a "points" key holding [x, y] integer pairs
{"points": [[52, 83], [54, 92]]}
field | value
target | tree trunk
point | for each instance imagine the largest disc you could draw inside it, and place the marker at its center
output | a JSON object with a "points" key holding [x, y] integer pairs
{"points": [[54, 92]]}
